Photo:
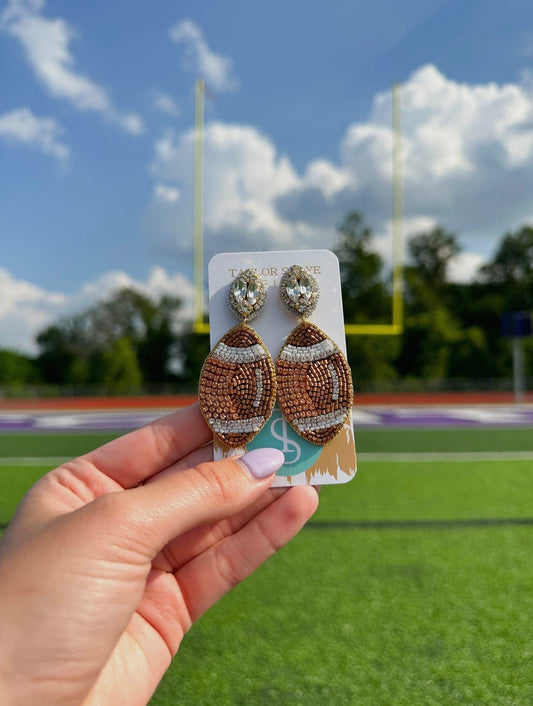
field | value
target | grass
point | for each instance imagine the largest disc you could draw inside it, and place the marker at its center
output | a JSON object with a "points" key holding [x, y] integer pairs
{"points": [[449, 439], [50, 445], [392, 617], [366, 606], [14, 482], [368, 441]]}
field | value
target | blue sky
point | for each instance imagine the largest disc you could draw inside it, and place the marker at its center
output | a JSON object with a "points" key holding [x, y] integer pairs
{"points": [[97, 108]]}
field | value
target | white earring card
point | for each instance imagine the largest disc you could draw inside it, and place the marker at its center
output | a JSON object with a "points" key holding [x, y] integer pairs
{"points": [[305, 463]]}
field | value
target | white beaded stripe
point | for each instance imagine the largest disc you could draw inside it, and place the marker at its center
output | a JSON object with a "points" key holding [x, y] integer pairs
{"points": [[322, 421], [259, 387], [307, 354], [236, 426], [335, 381], [232, 354]]}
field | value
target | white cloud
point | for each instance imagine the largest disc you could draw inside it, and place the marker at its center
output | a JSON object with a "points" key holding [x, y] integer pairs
{"points": [[129, 122], [216, 69], [460, 142], [164, 103], [466, 152], [467, 155], [411, 226], [158, 283], [21, 127], [464, 267], [47, 46], [325, 177], [26, 309], [166, 193], [244, 175]]}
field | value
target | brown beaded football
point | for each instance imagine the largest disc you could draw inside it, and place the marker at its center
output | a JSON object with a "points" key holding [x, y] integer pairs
{"points": [[237, 387], [315, 392]]}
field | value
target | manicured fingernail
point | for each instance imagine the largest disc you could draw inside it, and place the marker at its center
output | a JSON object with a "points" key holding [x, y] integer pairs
{"points": [[263, 462]]}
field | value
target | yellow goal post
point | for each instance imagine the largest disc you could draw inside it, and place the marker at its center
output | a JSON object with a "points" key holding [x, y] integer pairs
{"points": [[392, 329]]}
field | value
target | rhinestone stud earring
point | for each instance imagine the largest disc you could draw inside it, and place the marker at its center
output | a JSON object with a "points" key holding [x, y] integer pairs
{"points": [[315, 391], [237, 387]]}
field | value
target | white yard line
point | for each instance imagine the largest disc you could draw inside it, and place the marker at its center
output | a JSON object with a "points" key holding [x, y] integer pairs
{"points": [[422, 457], [446, 456]]}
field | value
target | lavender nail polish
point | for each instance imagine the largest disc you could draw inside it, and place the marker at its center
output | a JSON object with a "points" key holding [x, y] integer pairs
{"points": [[263, 462]]}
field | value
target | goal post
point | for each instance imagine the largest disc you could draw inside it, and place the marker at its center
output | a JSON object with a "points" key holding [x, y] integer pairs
{"points": [[396, 326], [392, 329], [198, 209]]}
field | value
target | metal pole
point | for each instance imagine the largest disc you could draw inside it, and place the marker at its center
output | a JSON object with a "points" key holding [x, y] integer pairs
{"points": [[198, 229], [396, 326], [397, 207], [519, 381]]}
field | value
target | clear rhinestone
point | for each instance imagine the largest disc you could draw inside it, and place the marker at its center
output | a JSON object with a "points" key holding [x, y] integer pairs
{"points": [[299, 291], [246, 290], [299, 288], [247, 294]]}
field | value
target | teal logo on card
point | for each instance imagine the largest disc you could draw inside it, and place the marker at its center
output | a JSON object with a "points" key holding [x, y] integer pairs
{"points": [[277, 434]]}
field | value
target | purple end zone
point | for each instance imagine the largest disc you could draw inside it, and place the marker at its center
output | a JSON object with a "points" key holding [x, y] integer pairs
{"points": [[75, 421], [464, 416], [364, 417]]}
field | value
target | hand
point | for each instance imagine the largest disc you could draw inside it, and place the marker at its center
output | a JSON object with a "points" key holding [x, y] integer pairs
{"points": [[101, 577]]}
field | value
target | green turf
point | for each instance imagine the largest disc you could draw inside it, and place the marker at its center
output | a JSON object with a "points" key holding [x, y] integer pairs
{"points": [[454, 490], [365, 607], [380, 618], [457, 439], [356, 615], [367, 440], [43, 444], [14, 482]]}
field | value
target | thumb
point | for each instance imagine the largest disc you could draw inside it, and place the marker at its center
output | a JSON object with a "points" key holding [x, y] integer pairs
{"points": [[149, 516]]}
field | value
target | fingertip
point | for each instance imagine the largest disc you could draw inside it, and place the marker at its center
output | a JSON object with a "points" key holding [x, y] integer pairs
{"points": [[312, 498], [261, 463], [303, 501]]}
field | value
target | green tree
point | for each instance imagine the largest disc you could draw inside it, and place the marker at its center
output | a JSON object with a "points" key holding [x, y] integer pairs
{"points": [[74, 349], [122, 373], [438, 341], [504, 284], [436, 346], [17, 368], [431, 253], [160, 348], [195, 348], [366, 299], [58, 351], [364, 294], [510, 273]]}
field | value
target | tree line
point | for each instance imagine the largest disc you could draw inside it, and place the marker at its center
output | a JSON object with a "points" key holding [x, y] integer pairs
{"points": [[134, 343]]}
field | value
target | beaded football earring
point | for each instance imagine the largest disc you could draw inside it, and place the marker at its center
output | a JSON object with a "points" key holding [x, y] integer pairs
{"points": [[237, 387], [315, 392]]}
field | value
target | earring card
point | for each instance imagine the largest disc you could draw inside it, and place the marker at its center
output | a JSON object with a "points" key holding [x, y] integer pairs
{"points": [[305, 463]]}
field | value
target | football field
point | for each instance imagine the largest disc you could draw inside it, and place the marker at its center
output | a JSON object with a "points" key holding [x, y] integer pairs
{"points": [[413, 584]]}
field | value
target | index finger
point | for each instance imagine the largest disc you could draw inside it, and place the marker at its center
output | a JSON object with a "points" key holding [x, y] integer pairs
{"points": [[138, 455]]}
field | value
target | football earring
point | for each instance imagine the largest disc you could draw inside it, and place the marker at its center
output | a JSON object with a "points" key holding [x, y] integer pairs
{"points": [[237, 387], [315, 392]]}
